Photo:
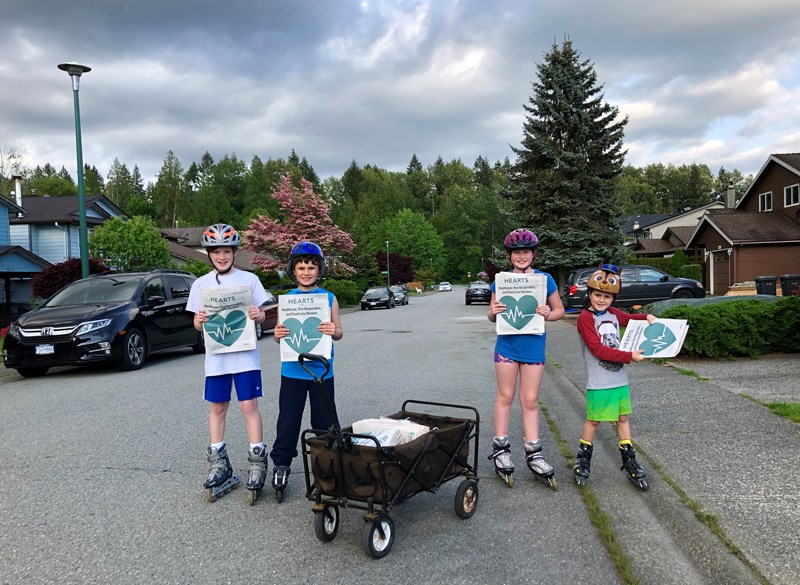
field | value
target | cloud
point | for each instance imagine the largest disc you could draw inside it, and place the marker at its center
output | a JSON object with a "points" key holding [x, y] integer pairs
{"points": [[377, 81]]}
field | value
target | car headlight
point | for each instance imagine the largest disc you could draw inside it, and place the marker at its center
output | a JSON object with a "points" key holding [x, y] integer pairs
{"points": [[90, 326], [13, 330], [384, 298]]}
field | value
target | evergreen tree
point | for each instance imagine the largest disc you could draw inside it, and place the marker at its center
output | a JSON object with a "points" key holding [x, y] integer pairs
{"points": [[570, 152], [169, 191], [309, 174], [93, 181], [137, 182]]}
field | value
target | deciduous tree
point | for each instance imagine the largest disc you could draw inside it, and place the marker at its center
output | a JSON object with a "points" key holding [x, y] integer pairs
{"points": [[305, 216]]}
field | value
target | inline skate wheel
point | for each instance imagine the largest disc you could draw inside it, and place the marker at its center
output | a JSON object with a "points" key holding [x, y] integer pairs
{"points": [[252, 496], [210, 498], [279, 495], [551, 481]]}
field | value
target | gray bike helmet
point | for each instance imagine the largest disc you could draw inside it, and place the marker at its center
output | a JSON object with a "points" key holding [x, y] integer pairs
{"points": [[220, 234]]}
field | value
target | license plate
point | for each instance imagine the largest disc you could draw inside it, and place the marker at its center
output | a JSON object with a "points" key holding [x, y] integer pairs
{"points": [[45, 349]]}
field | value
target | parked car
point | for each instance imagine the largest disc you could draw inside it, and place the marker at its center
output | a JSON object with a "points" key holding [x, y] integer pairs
{"points": [[478, 292], [9, 312], [119, 318], [445, 287], [271, 306], [377, 296], [640, 285], [400, 296]]}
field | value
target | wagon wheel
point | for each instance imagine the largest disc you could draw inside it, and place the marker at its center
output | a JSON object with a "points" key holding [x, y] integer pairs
{"points": [[378, 536], [326, 523], [466, 498]]}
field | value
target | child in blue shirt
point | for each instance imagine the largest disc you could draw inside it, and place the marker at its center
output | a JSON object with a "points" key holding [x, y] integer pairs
{"points": [[521, 356], [307, 268]]}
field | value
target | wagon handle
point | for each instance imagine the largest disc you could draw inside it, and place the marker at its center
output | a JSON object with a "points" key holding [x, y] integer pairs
{"points": [[315, 358]]}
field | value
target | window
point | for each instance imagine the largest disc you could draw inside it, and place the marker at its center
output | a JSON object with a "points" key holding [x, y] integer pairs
{"points": [[154, 288], [650, 275], [791, 196], [765, 201], [178, 287]]}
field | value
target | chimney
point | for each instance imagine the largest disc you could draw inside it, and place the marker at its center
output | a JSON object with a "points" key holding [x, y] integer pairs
{"points": [[730, 197], [17, 179]]}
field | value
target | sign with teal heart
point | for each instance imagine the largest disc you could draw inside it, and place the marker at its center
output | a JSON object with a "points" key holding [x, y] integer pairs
{"points": [[663, 338], [519, 311], [302, 314], [303, 336], [226, 328], [657, 338], [522, 294]]}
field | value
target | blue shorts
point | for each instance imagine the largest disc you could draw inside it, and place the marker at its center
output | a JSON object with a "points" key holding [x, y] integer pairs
{"points": [[248, 386]]}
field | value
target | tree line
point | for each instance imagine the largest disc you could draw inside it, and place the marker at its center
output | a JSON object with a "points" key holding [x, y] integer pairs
{"points": [[568, 182]]}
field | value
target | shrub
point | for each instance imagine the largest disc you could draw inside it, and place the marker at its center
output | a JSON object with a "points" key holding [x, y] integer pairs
{"points": [[346, 291], [693, 271], [53, 278], [196, 267], [740, 327]]}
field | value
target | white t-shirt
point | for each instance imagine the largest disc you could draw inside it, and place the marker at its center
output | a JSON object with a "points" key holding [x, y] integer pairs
{"points": [[238, 361]]}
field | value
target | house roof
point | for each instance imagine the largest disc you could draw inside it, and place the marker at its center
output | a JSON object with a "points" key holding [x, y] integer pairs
{"points": [[681, 232], [688, 212], [189, 237], [674, 238], [790, 161], [650, 246], [9, 251], [742, 227], [12, 205], [644, 220], [65, 209]]}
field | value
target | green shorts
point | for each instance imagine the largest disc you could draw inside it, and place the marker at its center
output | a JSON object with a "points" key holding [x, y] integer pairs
{"points": [[608, 404]]}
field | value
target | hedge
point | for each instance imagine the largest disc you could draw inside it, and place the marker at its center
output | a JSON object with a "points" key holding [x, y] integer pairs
{"points": [[347, 292], [740, 327]]}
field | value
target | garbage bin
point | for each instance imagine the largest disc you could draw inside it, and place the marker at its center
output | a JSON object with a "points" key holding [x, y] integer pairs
{"points": [[766, 285], [790, 284]]}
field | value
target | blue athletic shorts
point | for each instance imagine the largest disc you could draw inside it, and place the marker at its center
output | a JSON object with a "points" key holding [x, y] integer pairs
{"points": [[248, 386]]}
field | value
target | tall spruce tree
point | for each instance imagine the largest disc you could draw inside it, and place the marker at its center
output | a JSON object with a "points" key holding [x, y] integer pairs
{"points": [[570, 152]]}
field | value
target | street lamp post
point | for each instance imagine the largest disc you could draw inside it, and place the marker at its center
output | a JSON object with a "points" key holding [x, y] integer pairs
{"points": [[75, 71], [388, 279]]}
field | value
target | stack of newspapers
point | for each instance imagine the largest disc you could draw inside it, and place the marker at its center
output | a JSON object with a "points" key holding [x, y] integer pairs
{"points": [[388, 431]]}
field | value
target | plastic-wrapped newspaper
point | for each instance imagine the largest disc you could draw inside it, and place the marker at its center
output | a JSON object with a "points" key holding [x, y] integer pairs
{"points": [[408, 430]]}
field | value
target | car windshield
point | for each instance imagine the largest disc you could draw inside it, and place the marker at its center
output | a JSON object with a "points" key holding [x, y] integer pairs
{"points": [[376, 291], [96, 291], [398, 289]]}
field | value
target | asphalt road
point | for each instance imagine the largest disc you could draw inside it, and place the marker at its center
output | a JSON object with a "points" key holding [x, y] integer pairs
{"points": [[102, 477]]}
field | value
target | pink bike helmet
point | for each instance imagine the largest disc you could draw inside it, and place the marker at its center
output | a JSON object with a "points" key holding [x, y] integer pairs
{"points": [[521, 239]]}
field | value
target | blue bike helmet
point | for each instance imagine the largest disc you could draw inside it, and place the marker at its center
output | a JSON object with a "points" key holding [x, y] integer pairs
{"points": [[310, 252]]}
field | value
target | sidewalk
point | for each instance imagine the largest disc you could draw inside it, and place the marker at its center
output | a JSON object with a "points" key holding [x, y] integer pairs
{"points": [[732, 456]]}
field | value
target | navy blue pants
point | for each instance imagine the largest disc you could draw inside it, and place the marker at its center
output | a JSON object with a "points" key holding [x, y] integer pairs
{"points": [[292, 403]]}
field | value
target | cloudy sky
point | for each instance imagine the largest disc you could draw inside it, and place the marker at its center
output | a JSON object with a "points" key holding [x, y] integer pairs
{"points": [[714, 81]]}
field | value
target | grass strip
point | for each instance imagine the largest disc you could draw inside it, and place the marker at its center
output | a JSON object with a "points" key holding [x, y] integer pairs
{"points": [[695, 375], [790, 410], [601, 521], [706, 518]]}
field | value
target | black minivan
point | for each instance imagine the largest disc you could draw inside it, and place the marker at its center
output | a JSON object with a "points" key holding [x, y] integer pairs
{"points": [[120, 317], [640, 285]]}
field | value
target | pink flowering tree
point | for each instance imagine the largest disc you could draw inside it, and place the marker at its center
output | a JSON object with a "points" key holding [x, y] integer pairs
{"points": [[305, 217]]}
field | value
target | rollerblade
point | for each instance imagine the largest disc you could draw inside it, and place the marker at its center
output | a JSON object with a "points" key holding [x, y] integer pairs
{"points": [[583, 462], [257, 473], [536, 463], [502, 459], [633, 470], [280, 479], [220, 476]]}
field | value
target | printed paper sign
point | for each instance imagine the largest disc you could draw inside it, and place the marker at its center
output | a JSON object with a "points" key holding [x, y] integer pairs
{"points": [[228, 328], [663, 338], [521, 294], [302, 314]]}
